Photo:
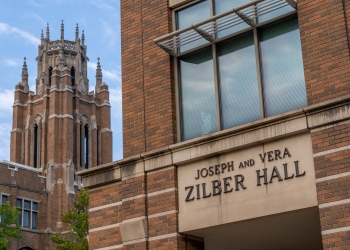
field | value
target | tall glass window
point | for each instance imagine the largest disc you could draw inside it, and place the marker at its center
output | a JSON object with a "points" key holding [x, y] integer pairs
{"points": [[248, 71], [29, 213], [238, 81], [197, 94], [193, 14], [4, 199], [282, 67], [222, 6]]}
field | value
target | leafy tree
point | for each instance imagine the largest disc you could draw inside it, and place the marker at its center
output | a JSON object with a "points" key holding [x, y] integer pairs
{"points": [[78, 226], [8, 227]]}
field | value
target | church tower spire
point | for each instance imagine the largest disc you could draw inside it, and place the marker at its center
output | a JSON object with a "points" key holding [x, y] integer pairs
{"points": [[25, 75], [42, 37], [62, 31], [77, 33], [47, 32], [82, 38]]}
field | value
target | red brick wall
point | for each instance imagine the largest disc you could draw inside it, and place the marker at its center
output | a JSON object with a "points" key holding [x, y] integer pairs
{"points": [[325, 49], [148, 81], [160, 188], [332, 158]]}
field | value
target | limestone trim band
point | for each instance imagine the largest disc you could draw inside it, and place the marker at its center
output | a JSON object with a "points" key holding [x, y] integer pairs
{"points": [[134, 241], [160, 237], [135, 219], [134, 197], [103, 228], [332, 177], [149, 194], [106, 103], [61, 116], [132, 176], [141, 240], [336, 230], [331, 151], [17, 130], [334, 203], [330, 126], [55, 89], [110, 248], [106, 130], [161, 192], [163, 214], [105, 206]]}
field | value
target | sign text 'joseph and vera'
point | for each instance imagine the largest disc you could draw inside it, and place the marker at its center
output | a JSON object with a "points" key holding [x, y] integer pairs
{"points": [[236, 182]]}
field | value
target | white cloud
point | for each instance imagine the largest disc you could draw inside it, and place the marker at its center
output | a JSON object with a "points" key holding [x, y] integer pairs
{"points": [[6, 29], [5, 140], [102, 5], [11, 62], [115, 98], [6, 97], [113, 75], [32, 2], [35, 16], [110, 33]]}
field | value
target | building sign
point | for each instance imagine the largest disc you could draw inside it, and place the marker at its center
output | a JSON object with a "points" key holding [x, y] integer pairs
{"points": [[259, 180], [236, 182]]}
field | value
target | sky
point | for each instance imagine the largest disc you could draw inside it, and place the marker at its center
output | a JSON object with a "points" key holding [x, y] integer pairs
{"points": [[21, 22]]}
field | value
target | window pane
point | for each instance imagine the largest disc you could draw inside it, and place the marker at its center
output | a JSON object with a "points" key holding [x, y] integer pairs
{"points": [[35, 206], [282, 65], [198, 110], [27, 204], [267, 12], [192, 15], [4, 199], [222, 6], [239, 92], [19, 203], [35, 220], [19, 220], [26, 218]]}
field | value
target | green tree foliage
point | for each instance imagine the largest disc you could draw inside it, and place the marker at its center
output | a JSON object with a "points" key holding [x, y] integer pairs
{"points": [[8, 227], [78, 226]]}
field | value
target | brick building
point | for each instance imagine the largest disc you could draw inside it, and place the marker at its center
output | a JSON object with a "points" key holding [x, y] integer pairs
{"points": [[236, 128], [57, 130]]}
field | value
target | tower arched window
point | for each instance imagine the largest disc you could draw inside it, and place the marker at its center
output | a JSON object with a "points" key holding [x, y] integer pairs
{"points": [[72, 74], [98, 147], [86, 147], [36, 148], [50, 74]]}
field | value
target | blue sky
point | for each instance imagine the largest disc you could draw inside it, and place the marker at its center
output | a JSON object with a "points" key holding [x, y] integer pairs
{"points": [[21, 23]]}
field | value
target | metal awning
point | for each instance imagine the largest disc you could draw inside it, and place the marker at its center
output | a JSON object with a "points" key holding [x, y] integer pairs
{"points": [[249, 13]]}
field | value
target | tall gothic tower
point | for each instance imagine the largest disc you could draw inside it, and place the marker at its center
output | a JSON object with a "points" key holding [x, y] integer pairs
{"points": [[61, 127]]}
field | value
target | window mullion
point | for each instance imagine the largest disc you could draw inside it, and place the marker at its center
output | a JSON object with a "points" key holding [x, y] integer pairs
{"points": [[259, 75], [216, 78], [216, 82]]}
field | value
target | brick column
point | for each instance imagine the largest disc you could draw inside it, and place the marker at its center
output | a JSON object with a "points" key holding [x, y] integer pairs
{"points": [[331, 146], [325, 49], [148, 82], [105, 216]]}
